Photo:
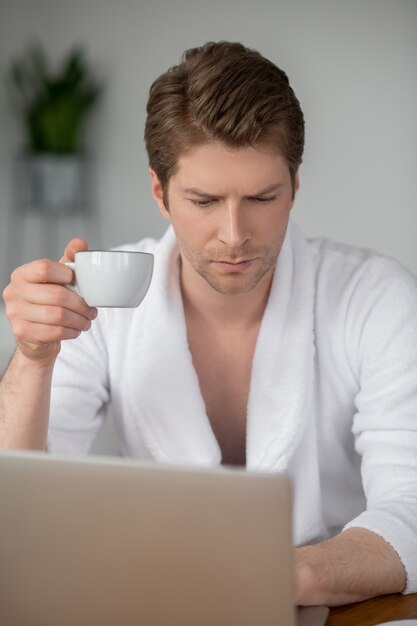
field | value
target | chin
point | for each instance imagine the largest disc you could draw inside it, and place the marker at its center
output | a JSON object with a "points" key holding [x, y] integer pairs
{"points": [[232, 287]]}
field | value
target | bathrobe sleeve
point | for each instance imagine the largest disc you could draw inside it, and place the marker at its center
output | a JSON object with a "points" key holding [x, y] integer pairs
{"points": [[381, 340], [81, 380], [80, 392]]}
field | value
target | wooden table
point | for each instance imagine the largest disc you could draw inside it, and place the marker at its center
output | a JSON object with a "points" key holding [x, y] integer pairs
{"points": [[375, 611]]}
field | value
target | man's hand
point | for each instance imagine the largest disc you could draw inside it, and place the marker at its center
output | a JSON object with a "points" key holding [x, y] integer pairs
{"points": [[41, 311], [355, 565]]}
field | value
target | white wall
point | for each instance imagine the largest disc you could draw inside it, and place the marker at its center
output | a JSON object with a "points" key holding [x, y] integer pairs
{"points": [[352, 64]]}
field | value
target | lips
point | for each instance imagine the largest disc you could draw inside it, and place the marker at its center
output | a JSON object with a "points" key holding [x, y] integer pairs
{"points": [[235, 266], [234, 262]]}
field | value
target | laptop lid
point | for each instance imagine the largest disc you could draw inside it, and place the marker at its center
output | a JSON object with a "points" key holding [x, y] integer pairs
{"points": [[110, 541]]}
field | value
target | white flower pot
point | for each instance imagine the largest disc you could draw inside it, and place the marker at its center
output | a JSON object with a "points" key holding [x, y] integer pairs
{"points": [[54, 184]]}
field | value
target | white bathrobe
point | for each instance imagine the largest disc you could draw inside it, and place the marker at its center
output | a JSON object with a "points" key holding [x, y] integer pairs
{"points": [[333, 393]]}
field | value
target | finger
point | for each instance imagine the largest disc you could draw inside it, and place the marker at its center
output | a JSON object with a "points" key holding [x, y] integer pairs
{"points": [[55, 295], [44, 271], [53, 316], [75, 245], [41, 334]]}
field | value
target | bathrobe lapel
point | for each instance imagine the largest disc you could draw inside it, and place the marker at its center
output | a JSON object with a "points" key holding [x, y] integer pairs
{"points": [[280, 400], [164, 398]]}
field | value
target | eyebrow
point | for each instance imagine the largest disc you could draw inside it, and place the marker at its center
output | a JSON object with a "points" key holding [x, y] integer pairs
{"points": [[203, 194]]}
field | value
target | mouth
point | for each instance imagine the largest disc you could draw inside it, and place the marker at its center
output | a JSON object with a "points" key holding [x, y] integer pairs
{"points": [[235, 266]]}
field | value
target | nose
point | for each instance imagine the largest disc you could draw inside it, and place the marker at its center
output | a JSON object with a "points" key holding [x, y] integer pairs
{"points": [[232, 229]]}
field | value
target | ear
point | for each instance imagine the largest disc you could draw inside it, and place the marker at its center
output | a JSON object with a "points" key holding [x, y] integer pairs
{"points": [[158, 194], [296, 184], [297, 180]]}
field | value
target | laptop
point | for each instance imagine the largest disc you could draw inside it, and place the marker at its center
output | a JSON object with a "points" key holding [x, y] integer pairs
{"points": [[112, 542]]}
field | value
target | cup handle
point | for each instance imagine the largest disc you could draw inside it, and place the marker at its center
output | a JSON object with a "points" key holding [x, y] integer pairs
{"points": [[75, 287]]}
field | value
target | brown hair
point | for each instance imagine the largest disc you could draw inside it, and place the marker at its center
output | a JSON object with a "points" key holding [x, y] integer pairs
{"points": [[222, 92]]}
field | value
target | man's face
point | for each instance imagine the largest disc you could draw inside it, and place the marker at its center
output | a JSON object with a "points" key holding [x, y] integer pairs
{"points": [[229, 208]]}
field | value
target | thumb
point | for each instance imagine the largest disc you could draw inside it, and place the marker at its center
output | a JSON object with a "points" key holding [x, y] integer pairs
{"points": [[75, 245]]}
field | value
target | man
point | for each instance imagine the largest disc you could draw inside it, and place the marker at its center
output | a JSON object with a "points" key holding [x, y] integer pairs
{"points": [[253, 346]]}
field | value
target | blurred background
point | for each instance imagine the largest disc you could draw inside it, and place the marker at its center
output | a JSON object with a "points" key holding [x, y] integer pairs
{"points": [[353, 66]]}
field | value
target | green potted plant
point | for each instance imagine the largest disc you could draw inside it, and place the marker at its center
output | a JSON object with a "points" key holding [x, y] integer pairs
{"points": [[53, 107]]}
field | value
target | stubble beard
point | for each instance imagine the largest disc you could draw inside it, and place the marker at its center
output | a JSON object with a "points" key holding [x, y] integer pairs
{"points": [[233, 283]]}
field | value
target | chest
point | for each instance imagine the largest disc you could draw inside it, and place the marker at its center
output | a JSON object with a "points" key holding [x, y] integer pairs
{"points": [[223, 363]]}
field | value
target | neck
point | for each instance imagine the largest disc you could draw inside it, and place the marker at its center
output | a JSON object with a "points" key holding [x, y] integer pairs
{"points": [[230, 311]]}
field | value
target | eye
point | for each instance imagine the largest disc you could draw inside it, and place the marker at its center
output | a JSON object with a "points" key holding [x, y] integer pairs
{"points": [[202, 203], [263, 200]]}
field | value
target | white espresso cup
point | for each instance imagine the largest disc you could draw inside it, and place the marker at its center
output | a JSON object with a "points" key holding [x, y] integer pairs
{"points": [[112, 278]]}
